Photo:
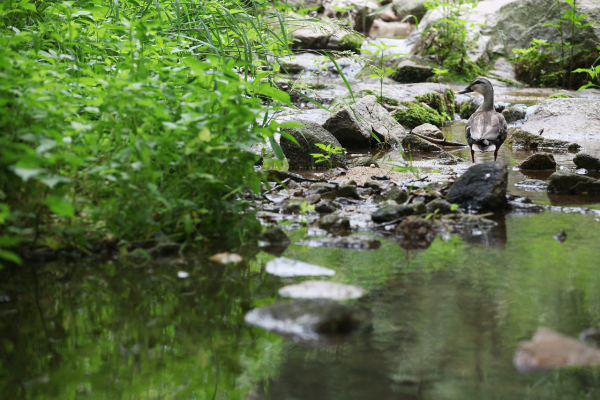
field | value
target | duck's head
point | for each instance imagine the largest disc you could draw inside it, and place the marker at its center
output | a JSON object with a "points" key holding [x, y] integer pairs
{"points": [[479, 85]]}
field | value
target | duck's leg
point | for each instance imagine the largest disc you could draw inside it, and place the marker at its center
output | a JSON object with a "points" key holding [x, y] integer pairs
{"points": [[495, 154], [473, 155]]}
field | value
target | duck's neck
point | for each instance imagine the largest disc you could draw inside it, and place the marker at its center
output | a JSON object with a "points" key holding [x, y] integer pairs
{"points": [[488, 102]]}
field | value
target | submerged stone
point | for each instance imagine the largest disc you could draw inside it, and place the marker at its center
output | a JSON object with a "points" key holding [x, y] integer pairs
{"points": [[570, 182], [532, 185], [334, 222], [439, 205], [481, 187], [286, 267], [548, 350], [274, 236], [322, 290], [356, 242], [226, 258], [415, 233], [307, 318]]}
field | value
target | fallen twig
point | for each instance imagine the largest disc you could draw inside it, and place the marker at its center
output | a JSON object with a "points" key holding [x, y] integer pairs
{"points": [[441, 142]]}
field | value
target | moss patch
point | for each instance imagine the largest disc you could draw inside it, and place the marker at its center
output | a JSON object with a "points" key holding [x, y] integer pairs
{"points": [[414, 114], [466, 110], [442, 104], [352, 42], [560, 95]]}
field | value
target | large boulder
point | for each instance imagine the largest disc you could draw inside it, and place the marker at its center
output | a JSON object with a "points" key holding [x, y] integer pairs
{"points": [[570, 182], [515, 113], [361, 13], [327, 37], [299, 157], [587, 161], [481, 187], [566, 119], [523, 139], [354, 126], [538, 161]]}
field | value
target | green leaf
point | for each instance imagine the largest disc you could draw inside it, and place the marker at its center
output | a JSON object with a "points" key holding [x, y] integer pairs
{"points": [[26, 173], [275, 94], [60, 206], [4, 212], [10, 256], [276, 148]]}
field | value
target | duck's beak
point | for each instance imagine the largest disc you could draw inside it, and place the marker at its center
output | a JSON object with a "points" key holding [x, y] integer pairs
{"points": [[465, 90]]}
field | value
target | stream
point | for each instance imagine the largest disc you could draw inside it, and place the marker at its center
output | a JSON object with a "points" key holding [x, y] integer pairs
{"points": [[445, 321]]}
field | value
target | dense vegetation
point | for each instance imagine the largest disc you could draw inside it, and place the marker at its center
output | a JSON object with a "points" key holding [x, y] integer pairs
{"points": [[132, 121]]}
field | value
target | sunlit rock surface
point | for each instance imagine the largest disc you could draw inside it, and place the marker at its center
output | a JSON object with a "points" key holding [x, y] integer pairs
{"points": [[286, 267], [548, 349], [322, 290]]}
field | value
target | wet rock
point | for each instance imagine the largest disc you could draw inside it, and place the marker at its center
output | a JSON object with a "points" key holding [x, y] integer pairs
{"points": [[570, 182], [333, 222], [344, 191], [390, 213], [365, 192], [361, 13], [414, 114], [299, 157], [440, 205], [396, 194], [226, 258], [415, 233], [561, 236], [386, 15], [538, 161], [418, 208], [408, 71], [356, 242], [515, 113], [273, 237], [322, 290], [352, 42], [548, 350], [565, 118], [373, 185], [533, 185], [362, 162], [292, 208], [286, 267], [523, 139], [503, 69], [429, 130], [326, 207], [353, 133], [320, 188], [445, 158], [404, 8], [415, 144], [388, 29], [481, 187], [587, 161], [307, 317]]}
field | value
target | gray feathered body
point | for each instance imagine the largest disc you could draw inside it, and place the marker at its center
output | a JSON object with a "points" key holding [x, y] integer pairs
{"points": [[486, 130]]}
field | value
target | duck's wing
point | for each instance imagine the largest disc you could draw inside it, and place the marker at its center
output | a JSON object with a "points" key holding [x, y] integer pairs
{"points": [[487, 125]]}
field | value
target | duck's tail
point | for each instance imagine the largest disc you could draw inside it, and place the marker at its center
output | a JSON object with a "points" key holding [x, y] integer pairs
{"points": [[483, 145]]}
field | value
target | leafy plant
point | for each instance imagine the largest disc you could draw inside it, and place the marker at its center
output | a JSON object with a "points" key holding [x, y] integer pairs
{"points": [[330, 152], [448, 37], [379, 69]]}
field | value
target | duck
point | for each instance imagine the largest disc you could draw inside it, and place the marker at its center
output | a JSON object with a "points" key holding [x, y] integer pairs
{"points": [[486, 130]]}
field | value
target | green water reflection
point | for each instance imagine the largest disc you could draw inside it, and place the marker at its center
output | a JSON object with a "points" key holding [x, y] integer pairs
{"points": [[446, 323]]}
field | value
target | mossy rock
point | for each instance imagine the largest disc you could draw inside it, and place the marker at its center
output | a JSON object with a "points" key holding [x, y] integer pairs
{"points": [[466, 110], [363, 93], [408, 71], [561, 94], [415, 144], [524, 139], [413, 114], [442, 104], [352, 42]]}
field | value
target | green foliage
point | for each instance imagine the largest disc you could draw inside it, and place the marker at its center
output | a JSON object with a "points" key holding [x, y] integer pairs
{"points": [[448, 37], [444, 105], [414, 114], [328, 157], [132, 121], [379, 71], [558, 95]]}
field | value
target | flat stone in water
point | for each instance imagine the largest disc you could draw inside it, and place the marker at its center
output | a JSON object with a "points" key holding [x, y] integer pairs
{"points": [[322, 290], [286, 267], [548, 349], [532, 185], [307, 319], [358, 242]]}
